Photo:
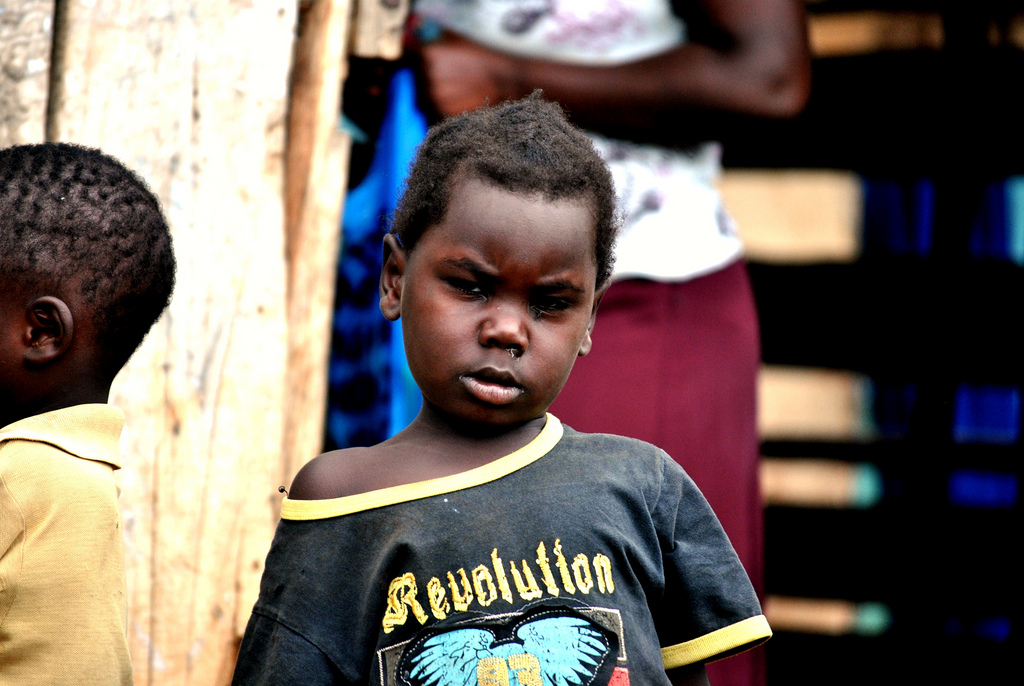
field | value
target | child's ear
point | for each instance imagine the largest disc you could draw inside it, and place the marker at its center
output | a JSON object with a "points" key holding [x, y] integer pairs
{"points": [[49, 330], [391, 278], [587, 342]]}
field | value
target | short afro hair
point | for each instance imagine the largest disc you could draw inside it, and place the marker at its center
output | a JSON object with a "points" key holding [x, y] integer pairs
{"points": [[525, 146], [73, 216]]}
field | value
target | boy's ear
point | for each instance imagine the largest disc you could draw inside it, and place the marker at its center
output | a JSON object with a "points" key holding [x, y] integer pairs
{"points": [[391, 276], [587, 343], [49, 330]]}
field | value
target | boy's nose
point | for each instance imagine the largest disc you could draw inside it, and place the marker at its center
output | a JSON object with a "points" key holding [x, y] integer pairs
{"points": [[504, 328]]}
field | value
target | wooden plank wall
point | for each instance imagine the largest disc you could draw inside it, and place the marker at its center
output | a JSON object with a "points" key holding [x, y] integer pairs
{"points": [[317, 165], [26, 37], [194, 96], [378, 28], [225, 398]]}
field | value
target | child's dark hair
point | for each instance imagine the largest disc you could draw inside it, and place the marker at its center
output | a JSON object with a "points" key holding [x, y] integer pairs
{"points": [[71, 215], [526, 146]]}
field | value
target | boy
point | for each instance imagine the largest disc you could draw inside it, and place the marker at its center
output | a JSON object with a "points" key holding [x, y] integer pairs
{"points": [[486, 543], [86, 267]]}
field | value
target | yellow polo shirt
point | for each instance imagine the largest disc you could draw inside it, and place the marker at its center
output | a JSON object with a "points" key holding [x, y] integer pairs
{"points": [[63, 604]]}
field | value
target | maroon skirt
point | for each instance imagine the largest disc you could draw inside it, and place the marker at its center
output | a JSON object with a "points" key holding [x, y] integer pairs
{"points": [[676, 364]]}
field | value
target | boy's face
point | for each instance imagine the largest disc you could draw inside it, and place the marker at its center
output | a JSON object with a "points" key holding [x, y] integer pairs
{"points": [[497, 301]]}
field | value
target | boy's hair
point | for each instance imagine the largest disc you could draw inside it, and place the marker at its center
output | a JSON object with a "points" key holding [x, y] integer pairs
{"points": [[525, 146], [71, 215]]}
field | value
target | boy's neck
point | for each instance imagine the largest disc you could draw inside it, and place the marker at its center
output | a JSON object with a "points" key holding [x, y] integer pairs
{"points": [[467, 441], [429, 448], [63, 398]]}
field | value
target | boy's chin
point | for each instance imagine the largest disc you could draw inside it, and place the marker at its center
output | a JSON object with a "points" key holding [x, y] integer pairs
{"points": [[489, 420]]}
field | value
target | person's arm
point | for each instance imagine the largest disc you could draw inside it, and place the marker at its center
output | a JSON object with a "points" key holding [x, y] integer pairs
{"points": [[745, 57]]}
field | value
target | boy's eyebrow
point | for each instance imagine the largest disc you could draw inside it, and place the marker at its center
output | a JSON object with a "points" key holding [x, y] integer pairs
{"points": [[561, 286], [471, 265], [466, 263]]}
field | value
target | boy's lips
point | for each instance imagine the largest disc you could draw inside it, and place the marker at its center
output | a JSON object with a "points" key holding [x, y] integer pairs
{"points": [[492, 386]]}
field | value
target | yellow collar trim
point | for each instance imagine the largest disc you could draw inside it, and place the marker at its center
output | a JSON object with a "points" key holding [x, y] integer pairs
{"points": [[336, 507], [91, 431]]}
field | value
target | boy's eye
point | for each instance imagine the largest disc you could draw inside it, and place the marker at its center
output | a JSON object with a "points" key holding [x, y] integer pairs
{"points": [[550, 304], [467, 287]]}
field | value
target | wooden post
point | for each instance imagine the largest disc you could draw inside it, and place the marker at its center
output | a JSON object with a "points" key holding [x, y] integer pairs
{"points": [[193, 96], [379, 26], [317, 162], [316, 180], [25, 41]]}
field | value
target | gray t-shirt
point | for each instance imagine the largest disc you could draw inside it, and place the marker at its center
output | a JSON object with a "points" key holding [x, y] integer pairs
{"points": [[579, 559]]}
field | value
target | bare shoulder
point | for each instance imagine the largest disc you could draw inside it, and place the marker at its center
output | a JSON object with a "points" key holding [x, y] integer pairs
{"points": [[334, 474]]}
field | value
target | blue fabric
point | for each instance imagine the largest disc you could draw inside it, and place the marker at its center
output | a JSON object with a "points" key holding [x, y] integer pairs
{"points": [[995, 629], [983, 489], [985, 413], [899, 216], [371, 393], [892, 405], [899, 219], [1015, 218], [989, 236]]}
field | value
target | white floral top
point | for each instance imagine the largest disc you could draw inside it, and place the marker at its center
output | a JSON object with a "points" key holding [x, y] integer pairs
{"points": [[675, 225]]}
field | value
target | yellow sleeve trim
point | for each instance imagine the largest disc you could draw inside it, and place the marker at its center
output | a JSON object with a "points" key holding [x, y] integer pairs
{"points": [[729, 640], [336, 507]]}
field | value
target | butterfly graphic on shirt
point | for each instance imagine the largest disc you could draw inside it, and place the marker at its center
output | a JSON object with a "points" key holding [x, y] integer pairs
{"points": [[544, 650]]}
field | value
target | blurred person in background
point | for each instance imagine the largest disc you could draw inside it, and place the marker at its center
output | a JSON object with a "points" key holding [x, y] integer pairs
{"points": [[656, 83]]}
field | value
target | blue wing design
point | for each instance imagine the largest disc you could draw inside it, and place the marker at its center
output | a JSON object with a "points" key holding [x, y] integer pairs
{"points": [[450, 659], [570, 649]]}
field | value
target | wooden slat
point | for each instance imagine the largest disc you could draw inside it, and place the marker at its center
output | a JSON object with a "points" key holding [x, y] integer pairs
{"points": [[797, 403], [1015, 32], [795, 216], [317, 161], [851, 33], [827, 616], [819, 483], [25, 38], [811, 615], [192, 95], [378, 28]]}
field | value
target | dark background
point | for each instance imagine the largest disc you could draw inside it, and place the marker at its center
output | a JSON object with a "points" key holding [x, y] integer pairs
{"points": [[920, 320]]}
